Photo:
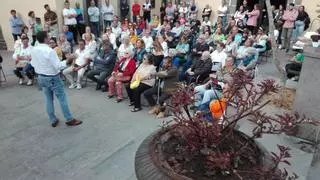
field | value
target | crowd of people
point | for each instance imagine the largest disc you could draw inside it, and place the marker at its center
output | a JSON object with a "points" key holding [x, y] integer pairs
{"points": [[152, 53]]}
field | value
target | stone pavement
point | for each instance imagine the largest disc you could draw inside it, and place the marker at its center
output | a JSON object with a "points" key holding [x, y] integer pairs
{"points": [[102, 148]]}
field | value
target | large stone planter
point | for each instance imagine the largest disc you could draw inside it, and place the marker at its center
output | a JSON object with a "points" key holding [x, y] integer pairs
{"points": [[150, 164]]}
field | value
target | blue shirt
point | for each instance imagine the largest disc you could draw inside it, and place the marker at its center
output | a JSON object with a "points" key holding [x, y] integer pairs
{"points": [[16, 25], [79, 17], [69, 36]]}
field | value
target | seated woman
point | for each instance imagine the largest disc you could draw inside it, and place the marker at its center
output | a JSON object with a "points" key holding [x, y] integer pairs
{"points": [[143, 73], [180, 52], [167, 78], [293, 69], [164, 45], [246, 56], [219, 36], [22, 59], [122, 73], [91, 46], [133, 37], [64, 45], [158, 54], [53, 44], [125, 24], [218, 57], [125, 47], [139, 52], [261, 41], [211, 90], [88, 31], [231, 46]]}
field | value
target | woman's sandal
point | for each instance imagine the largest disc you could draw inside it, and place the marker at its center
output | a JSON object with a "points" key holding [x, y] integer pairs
{"points": [[136, 109]]}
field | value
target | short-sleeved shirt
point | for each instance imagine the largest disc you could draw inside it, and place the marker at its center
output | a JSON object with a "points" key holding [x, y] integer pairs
{"points": [[300, 57], [50, 16], [82, 55], [69, 21]]}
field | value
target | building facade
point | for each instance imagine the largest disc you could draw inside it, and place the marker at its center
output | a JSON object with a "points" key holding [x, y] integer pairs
{"points": [[23, 7]]}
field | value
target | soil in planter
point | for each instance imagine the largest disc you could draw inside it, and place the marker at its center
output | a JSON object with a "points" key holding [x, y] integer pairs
{"points": [[193, 165]]}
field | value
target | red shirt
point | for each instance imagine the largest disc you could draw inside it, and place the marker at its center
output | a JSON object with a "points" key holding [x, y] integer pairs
{"points": [[136, 10], [128, 70], [142, 25]]}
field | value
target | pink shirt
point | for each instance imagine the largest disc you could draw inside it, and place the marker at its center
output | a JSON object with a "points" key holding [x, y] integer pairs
{"points": [[253, 18], [289, 18]]}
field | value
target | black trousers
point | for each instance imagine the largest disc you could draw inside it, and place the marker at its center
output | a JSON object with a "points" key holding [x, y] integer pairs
{"points": [[101, 80], [147, 16], [81, 30], [135, 94], [19, 73], [151, 93], [73, 29], [293, 69]]}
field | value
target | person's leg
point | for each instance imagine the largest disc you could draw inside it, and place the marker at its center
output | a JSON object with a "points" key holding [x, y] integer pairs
{"points": [[119, 85], [58, 90], [137, 94], [208, 96], [284, 37], [91, 75], [80, 74], [68, 74], [149, 95], [29, 71], [112, 86], [18, 73], [97, 29], [130, 93], [134, 18], [73, 29], [182, 76], [300, 30], [289, 36], [46, 86], [102, 77], [198, 93]]}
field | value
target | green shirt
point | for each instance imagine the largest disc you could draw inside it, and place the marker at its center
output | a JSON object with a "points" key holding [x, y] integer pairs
{"points": [[37, 28], [300, 57]]}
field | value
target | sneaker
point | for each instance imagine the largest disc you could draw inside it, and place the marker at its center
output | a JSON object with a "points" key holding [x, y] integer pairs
{"points": [[72, 86], [20, 81], [30, 82], [280, 46], [79, 86]]}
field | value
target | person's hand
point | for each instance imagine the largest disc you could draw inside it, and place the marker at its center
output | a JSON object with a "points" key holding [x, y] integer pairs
{"points": [[113, 73], [69, 61], [119, 74], [191, 73], [76, 69]]}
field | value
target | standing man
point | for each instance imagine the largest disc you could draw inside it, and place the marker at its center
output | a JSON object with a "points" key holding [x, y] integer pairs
{"points": [[290, 15], [107, 12], [16, 25], [135, 10], [124, 9], [69, 15], [93, 12], [48, 66], [147, 11], [51, 20]]}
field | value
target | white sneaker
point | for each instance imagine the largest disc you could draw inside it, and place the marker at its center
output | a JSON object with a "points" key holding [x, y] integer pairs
{"points": [[20, 81], [29, 83], [72, 86], [79, 86], [280, 46]]}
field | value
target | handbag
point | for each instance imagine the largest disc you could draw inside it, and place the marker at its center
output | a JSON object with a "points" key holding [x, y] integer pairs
{"points": [[135, 83]]}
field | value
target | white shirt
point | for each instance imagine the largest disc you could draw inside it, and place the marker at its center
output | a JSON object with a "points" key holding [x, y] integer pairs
{"points": [[117, 31], [148, 41], [46, 61], [222, 10], [183, 10], [165, 48], [218, 57], [177, 30], [69, 21], [22, 52], [107, 12], [113, 38], [91, 49], [206, 23], [122, 49], [81, 57], [93, 13]]}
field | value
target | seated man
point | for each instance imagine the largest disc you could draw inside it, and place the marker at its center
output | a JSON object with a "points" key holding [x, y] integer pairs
{"points": [[293, 69], [199, 69], [81, 61], [103, 65]]}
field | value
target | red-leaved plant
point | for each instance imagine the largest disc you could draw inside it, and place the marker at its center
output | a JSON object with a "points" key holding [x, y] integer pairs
{"points": [[203, 149]]}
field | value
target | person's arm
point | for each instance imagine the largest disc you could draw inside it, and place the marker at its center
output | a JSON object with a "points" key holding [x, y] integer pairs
{"points": [[55, 19], [90, 11], [131, 68], [55, 61], [294, 17], [97, 13], [203, 70]]}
